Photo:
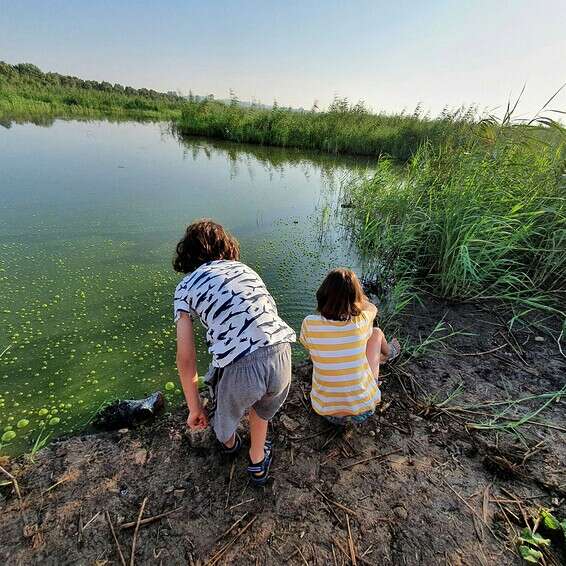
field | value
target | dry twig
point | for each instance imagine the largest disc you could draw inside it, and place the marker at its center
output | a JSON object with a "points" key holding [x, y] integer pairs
{"points": [[352, 464], [339, 505], [216, 557], [134, 540], [148, 519], [14, 482], [118, 547]]}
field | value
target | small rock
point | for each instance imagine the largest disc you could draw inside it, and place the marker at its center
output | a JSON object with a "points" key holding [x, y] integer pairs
{"points": [[372, 433], [290, 424], [400, 513], [539, 339], [140, 457]]}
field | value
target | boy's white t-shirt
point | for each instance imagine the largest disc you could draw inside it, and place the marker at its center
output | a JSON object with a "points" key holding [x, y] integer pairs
{"points": [[234, 306]]}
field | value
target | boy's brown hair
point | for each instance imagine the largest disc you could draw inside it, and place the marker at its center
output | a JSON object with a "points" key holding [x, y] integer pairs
{"points": [[204, 241], [340, 297]]}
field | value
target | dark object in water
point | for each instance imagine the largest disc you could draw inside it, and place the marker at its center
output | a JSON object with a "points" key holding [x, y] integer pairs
{"points": [[128, 413]]}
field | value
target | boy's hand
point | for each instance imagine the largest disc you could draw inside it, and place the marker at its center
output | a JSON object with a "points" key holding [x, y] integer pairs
{"points": [[197, 420]]}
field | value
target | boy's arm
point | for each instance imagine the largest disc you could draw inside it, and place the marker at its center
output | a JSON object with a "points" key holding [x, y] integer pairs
{"points": [[187, 366]]}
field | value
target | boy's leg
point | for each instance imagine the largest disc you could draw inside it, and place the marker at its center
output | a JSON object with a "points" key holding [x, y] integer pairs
{"points": [[258, 436]]}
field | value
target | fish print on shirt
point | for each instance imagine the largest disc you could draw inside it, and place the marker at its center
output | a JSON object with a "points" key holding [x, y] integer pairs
{"points": [[234, 306]]}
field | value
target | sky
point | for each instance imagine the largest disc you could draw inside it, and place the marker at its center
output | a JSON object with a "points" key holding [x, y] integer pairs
{"points": [[391, 54]]}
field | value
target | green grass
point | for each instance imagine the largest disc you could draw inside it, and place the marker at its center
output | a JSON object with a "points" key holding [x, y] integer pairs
{"points": [[27, 91], [482, 220], [344, 128]]}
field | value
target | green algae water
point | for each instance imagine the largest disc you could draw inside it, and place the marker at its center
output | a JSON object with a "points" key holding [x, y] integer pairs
{"points": [[90, 213]]}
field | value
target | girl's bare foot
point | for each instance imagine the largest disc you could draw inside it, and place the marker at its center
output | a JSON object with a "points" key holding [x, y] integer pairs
{"points": [[394, 350]]}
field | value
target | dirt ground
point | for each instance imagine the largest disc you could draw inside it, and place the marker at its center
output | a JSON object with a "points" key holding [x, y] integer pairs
{"points": [[416, 484]]}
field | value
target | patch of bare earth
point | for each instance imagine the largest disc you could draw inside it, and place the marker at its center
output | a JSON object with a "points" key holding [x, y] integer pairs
{"points": [[416, 484]]}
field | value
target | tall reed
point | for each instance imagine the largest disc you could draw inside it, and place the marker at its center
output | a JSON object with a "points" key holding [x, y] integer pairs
{"points": [[484, 220]]}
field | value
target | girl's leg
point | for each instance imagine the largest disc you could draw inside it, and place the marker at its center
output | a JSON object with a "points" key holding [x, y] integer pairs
{"points": [[376, 351], [258, 436]]}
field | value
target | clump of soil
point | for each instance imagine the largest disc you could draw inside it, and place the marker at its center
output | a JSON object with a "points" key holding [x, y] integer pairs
{"points": [[415, 484]]}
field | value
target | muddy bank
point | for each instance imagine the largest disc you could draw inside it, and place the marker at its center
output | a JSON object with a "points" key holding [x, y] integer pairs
{"points": [[416, 484]]}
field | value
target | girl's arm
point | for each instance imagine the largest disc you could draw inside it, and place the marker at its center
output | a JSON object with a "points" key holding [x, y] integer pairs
{"points": [[370, 308], [187, 366]]}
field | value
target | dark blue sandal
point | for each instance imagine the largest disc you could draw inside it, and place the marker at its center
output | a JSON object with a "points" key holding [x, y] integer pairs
{"points": [[234, 450], [259, 473]]}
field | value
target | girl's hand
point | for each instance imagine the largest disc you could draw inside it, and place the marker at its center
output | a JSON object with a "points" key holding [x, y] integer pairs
{"points": [[197, 420]]}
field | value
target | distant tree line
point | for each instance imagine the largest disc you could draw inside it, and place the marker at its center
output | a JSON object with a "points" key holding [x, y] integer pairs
{"points": [[31, 74]]}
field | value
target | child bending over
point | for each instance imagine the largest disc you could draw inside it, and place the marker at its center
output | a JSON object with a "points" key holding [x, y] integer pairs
{"points": [[346, 350], [249, 343]]}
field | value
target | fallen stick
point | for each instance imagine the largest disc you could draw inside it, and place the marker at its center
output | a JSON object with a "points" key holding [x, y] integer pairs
{"points": [[230, 484], [118, 547], [485, 503], [474, 512], [132, 554], [330, 438], [148, 519], [339, 505], [54, 486], [241, 503], [347, 555], [351, 542], [326, 506], [352, 464], [301, 554], [92, 520], [220, 553], [227, 532], [455, 352], [308, 437], [14, 482]]}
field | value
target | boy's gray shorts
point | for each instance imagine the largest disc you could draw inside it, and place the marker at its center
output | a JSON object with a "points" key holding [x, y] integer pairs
{"points": [[260, 380]]}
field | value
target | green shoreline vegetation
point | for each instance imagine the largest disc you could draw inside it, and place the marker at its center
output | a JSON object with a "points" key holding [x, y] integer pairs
{"points": [[25, 90], [480, 222], [477, 212]]}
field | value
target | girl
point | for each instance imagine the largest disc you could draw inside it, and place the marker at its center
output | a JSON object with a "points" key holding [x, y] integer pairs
{"points": [[345, 349], [249, 343]]}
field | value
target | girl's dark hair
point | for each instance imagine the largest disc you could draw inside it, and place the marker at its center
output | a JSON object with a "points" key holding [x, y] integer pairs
{"points": [[204, 241], [340, 297]]}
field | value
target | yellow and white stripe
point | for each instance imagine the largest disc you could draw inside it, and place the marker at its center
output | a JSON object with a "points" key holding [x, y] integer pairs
{"points": [[342, 381]]}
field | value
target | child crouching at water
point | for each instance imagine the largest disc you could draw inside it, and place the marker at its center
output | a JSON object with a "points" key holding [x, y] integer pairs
{"points": [[346, 350], [249, 343]]}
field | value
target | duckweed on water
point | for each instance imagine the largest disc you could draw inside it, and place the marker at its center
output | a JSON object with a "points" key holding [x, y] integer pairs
{"points": [[88, 317], [8, 436]]}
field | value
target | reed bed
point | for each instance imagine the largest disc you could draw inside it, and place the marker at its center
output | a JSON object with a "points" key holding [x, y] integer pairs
{"points": [[480, 221], [343, 129]]}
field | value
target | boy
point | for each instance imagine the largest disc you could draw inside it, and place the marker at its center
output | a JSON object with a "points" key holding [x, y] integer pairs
{"points": [[249, 342]]}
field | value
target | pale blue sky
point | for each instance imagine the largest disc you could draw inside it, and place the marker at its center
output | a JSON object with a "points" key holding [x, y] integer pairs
{"points": [[391, 54]]}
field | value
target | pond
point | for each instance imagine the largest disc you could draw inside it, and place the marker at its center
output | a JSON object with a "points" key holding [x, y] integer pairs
{"points": [[90, 213]]}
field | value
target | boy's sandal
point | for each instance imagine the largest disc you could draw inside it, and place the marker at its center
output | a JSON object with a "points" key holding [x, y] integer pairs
{"points": [[259, 473], [394, 350], [235, 449]]}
